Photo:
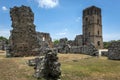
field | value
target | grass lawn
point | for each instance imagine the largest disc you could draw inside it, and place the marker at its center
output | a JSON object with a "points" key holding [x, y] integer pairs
{"points": [[74, 67]]}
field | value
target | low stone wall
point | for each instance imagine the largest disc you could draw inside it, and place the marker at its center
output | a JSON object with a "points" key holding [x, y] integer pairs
{"points": [[86, 49], [114, 51]]}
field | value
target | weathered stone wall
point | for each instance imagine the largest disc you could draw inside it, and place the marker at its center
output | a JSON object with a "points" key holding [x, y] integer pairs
{"points": [[23, 39], [78, 40], [63, 41], [45, 37], [86, 49], [63, 46], [76, 46], [114, 51]]}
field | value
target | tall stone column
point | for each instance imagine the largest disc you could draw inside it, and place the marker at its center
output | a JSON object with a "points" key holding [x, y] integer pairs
{"points": [[23, 39]]}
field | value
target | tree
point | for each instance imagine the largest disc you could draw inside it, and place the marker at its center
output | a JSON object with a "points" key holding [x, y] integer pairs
{"points": [[106, 44], [56, 41], [4, 39]]}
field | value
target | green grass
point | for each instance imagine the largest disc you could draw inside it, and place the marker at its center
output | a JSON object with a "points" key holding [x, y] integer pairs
{"points": [[73, 66], [91, 69]]}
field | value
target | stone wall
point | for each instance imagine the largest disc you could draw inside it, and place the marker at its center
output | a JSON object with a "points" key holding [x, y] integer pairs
{"points": [[114, 51], [86, 49], [45, 37], [23, 38], [78, 40], [76, 46], [63, 46]]}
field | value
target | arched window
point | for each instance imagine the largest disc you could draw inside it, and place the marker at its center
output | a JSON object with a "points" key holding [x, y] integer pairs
{"points": [[86, 19], [89, 34], [87, 12], [94, 11], [98, 21], [98, 43], [98, 32]]}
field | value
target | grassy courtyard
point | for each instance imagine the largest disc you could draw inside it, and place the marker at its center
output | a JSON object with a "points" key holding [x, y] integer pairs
{"points": [[74, 67]]}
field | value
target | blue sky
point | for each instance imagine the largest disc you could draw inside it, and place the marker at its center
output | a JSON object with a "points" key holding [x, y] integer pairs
{"points": [[63, 18]]}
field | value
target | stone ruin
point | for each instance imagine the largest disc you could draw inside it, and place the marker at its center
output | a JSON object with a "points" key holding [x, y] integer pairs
{"points": [[76, 46], [46, 66], [45, 38], [114, 51], [78, 40], [23, 39], [62, 46], [91, 39]]}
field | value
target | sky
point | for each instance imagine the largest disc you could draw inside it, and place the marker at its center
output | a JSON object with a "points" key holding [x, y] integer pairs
{"points": [[63, 18]]}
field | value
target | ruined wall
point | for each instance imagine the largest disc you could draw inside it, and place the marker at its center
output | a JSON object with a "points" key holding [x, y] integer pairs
{"points": [[86, 49], [66, 46], [62, 46], [114, 51], [23, 39], [45, 37], [78, 40]]}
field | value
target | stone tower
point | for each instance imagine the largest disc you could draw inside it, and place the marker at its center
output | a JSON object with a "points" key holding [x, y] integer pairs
{"points": [[23, 39], [92, 27]]}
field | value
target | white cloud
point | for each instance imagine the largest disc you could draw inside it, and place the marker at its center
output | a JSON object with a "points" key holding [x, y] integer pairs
{"points": [[78, 19], [48, 3], [4, 8]]}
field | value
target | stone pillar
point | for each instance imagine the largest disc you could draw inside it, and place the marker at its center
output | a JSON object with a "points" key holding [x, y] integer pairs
{"points": [[23, 39]]}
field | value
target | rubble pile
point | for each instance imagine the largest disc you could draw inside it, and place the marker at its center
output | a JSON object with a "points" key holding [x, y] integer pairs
{"points": [[47, 66]]}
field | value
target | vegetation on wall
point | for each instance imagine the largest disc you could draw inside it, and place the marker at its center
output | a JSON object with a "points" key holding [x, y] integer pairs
{"points": [[56, 41]]}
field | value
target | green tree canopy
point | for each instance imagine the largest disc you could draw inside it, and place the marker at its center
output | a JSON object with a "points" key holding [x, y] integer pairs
{"points": [[107, 44], [56, 41], [4, 39]]}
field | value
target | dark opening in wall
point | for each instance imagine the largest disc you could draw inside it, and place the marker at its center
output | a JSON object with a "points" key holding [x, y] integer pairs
{"points": [[98, 43], [89, 34], [98, 32], [98, 21]]}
